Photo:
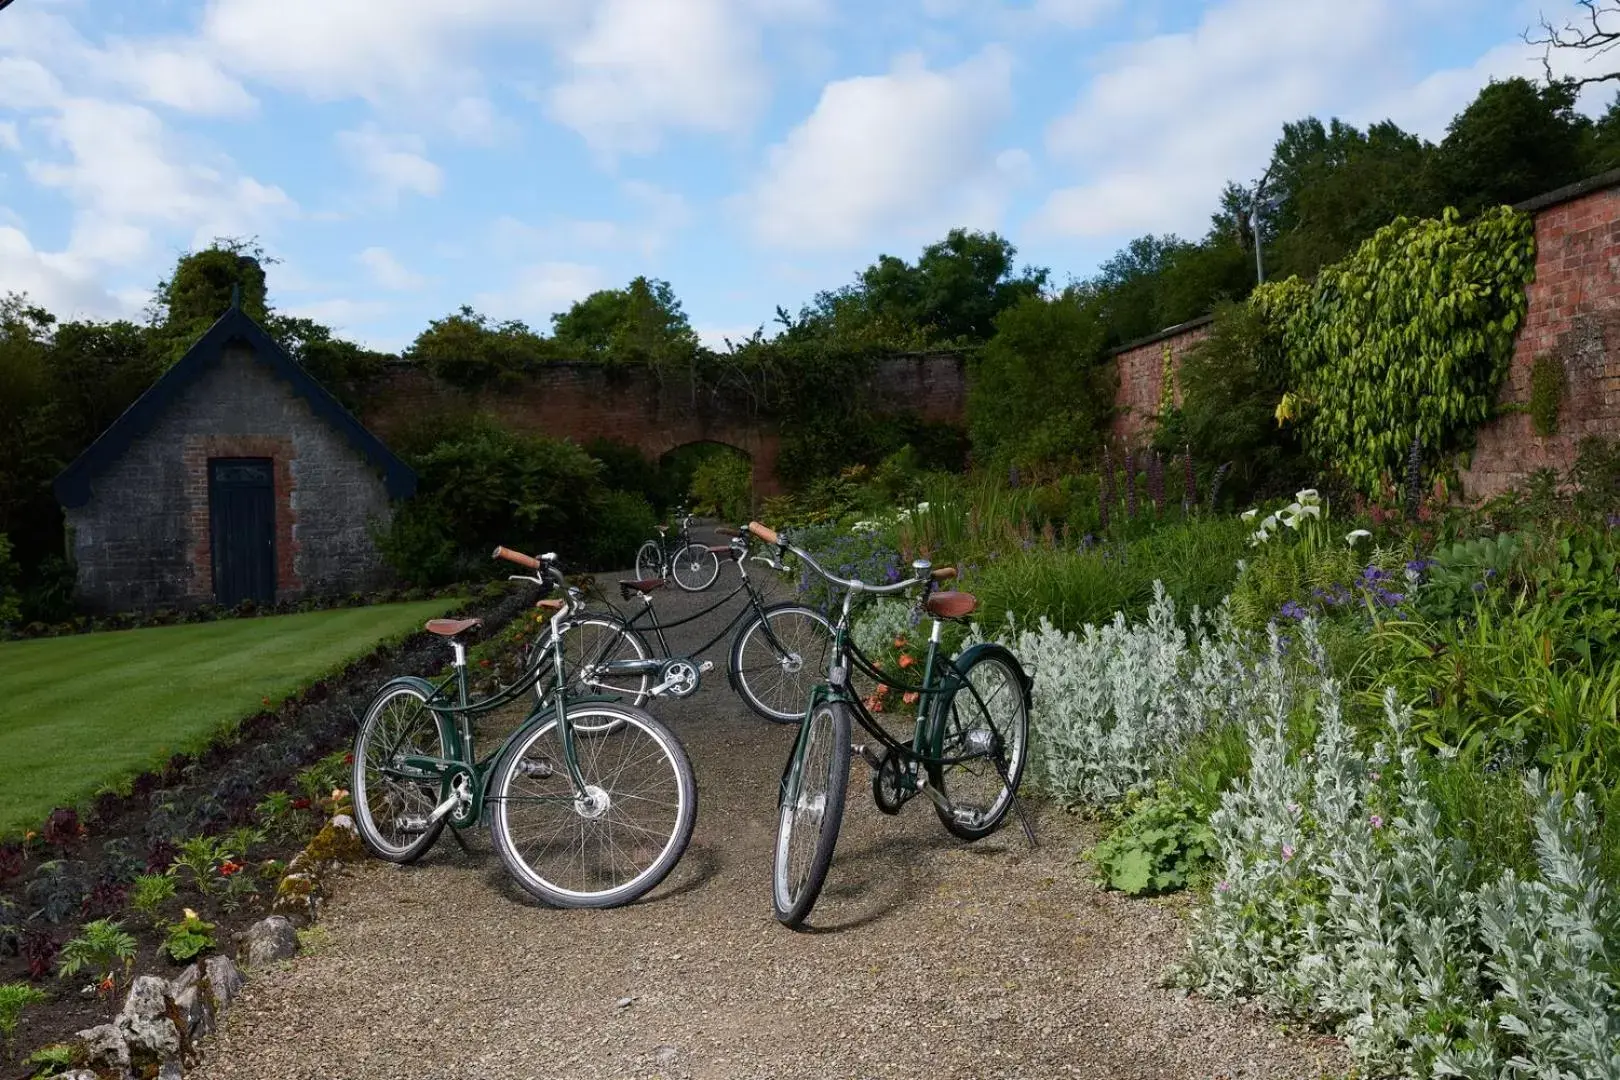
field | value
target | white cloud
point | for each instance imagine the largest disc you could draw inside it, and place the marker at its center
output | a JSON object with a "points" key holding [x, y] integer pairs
{"points": [[340, 314], [540, 291], [1073, 14], [1170, 119], [26, 84], [394, 164], [63, 283], [9, 139], [180, 77], [657, 215], [904, 152], [646, 65], [388, 271]]}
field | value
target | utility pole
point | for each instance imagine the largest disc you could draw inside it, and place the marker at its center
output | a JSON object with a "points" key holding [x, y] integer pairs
{"points": [[1254, 227]]}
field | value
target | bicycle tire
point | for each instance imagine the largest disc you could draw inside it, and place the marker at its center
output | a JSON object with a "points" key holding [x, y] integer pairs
{"points": [[361, 787], [786, 707], [792, 898], [635, 688], [624, 721], [964, 711], [649, 561], [695, 568]]}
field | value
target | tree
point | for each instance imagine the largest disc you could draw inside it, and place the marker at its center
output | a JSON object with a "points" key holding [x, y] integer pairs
{"points": [[1595, 34], [956, 289], [1514, 141], [466, 349], [641, 324], [200, 289], [340, 366], [1038, 393]]}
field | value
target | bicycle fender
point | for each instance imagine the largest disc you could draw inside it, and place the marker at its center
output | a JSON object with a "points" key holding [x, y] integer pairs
{"points": [[990, 648]]}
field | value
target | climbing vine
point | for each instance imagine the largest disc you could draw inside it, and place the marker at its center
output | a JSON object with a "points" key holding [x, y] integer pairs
{"points": [[1408, 339], [1546, 393]]}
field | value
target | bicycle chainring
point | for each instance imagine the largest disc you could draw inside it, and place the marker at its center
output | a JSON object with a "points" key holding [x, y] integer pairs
{"points": [[680, 678], [888, 787]]}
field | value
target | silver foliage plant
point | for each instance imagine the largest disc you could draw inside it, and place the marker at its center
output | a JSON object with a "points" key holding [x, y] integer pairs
{"points": [[1339, 901]]}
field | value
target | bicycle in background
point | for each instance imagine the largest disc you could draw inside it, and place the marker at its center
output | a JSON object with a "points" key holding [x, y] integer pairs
{"points": [[691, 565]]}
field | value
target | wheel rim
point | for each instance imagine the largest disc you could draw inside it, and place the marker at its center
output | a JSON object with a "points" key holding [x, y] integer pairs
{"points": [[779, 681], [590, 643], [696, 567], [399, 725], [801, 820], [648, 561], [614, 838], [992, 703]]}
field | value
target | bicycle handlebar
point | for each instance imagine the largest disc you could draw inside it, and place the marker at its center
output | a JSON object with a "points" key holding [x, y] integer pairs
{"points": [[528, 561]]}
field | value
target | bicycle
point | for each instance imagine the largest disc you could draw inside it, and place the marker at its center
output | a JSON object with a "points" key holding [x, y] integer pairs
{"points": [[787, 640], [416, 770], [957, 739], [693, 566]]}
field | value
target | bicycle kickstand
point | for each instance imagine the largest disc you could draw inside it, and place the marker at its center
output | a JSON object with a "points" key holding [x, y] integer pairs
{"points": [[465, 850], [1018, 805]]}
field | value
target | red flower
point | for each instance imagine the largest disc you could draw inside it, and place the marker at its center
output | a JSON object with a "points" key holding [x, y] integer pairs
{"points": [[267, 701], [227, 868], [483, 663], [300, 803], [348, 759], [906, 659], [106, 985]]}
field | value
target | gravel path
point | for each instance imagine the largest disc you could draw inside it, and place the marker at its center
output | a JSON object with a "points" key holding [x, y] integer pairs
{"points": [[930, 958]]}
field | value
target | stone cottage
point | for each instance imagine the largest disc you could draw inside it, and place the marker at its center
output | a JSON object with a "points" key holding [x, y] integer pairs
{"points": [[235, 477]]}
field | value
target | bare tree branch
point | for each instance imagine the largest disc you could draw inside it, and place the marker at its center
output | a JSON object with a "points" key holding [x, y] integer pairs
{"points": [[1595, 35]]}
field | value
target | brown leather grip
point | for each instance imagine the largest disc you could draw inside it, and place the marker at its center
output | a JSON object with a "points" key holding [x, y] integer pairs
{"points": [[767, 535], [944, 573], [552, 606], [517, 557]]}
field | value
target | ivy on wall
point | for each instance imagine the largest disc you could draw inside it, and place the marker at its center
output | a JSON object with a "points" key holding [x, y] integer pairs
{"points": [[1546, 393], [1408, 339]]}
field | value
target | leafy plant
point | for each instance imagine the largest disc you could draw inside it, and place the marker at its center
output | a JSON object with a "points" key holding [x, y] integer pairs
{"points": [[58, 889], [150, 893], [1459, 574], [1162, 844], [14, 998], [188, 938], [12, 860], [39, 949], [63, 829], [53, 1060], [1547, 384], [199, 856], [101, 946], [240, 842]]}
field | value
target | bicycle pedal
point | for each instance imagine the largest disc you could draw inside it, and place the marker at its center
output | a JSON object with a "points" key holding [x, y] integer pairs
{"points": [[540, 769], [706, 667], [870, 756], [413, 823]]}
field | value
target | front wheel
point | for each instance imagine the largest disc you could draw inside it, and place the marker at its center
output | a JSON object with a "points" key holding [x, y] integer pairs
{"points": [[985, 723], [591, 647], [778, 656], [610, 843], [649, 561], [811, 812], [695, 568], [391, 803]]}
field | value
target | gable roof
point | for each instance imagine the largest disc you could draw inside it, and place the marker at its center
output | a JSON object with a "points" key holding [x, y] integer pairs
{"points": [[72, 486]]}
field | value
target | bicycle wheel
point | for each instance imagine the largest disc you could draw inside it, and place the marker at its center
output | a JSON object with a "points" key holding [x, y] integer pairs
{"points": [[987, 715], [622, 837], [773, 672], [390, 809], [589, 644], [695, 568], [649, 560], [811, 812]]}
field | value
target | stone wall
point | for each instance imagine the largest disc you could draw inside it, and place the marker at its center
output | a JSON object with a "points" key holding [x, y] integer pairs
{"points": [[142, 540], [1140, 367], [583, 401]]}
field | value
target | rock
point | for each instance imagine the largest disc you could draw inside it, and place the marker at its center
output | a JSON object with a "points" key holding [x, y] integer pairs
{"points": [[145, 1022], [170, 1071], [106, 1049], [334, 844], [344, 821], [225, 981], [77, 1074], [271, 939], [192, 1009], [298, 897]]}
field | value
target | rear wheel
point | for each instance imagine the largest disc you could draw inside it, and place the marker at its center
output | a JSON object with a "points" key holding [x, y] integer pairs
{"points": [[589, 645], [649, 561], [392, 803], [811, 812], [775, 670], [615, 841], [986, 722], [695, 568]]}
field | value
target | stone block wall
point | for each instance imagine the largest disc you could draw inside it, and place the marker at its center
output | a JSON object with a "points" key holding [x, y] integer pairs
{"points": [[1140, 367], [143, 541]]}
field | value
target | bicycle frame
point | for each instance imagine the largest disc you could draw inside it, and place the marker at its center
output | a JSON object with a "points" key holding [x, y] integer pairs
{"points": [[670, 546]]}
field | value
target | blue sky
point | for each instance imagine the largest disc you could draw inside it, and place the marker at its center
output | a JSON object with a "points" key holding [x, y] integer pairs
{"points": [[403, 157]]}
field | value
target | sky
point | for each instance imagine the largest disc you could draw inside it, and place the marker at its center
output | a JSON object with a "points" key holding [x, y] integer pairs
{"points": [[401, 158]]}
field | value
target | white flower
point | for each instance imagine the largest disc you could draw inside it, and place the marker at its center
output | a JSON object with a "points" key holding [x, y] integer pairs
{"points": [[1269, 523], [1293, 509], [1259, 538], [1248, 516], [1308, 495], [1292, 521], [1311, 509], [1356, 534], [921, 507]]}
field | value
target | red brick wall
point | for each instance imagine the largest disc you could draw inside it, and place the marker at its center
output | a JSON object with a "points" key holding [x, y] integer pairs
{"points": [[1141, 382], [199, 536], [1574, 316]]}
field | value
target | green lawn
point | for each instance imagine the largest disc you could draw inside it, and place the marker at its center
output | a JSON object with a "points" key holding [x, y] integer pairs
{"points": [[80, 712]]}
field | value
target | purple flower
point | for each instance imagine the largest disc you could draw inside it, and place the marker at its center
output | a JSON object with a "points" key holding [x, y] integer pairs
{"points": [[1374, 776], [1372, 575], [1225, 886], [1291, 610], [1418, 566], [1376, 822], [1293, 808], [1287, 852], [1613, 520]]}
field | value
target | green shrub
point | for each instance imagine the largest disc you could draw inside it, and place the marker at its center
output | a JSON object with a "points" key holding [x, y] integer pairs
{"points": [[10, 602], [188, 938], [723, 486], [620, 522], [1546, 393], [103, 947], [625, 468], [1160, 845], [14, 998]]}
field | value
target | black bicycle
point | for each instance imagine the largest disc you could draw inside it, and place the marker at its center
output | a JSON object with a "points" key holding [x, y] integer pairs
{"points": [[778, 652], [966, 752], [694, 566]]}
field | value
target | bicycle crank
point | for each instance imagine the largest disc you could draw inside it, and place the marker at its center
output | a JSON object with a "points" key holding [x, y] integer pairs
{"points": [[680, 678], [891, 788]]}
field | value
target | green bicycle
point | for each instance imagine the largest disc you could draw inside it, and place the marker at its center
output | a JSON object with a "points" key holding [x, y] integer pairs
{"points": [[590, 803], [966, 753]]}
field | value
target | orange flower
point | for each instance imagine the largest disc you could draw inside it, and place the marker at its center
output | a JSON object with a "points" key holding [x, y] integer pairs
{"points": [[267, 701], [906, 659], [899, 642], [227, 868], [910, 697], [106, 985]]}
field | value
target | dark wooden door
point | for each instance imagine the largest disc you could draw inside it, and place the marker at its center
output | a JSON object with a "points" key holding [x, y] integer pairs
{"points": [[242, 522]]}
